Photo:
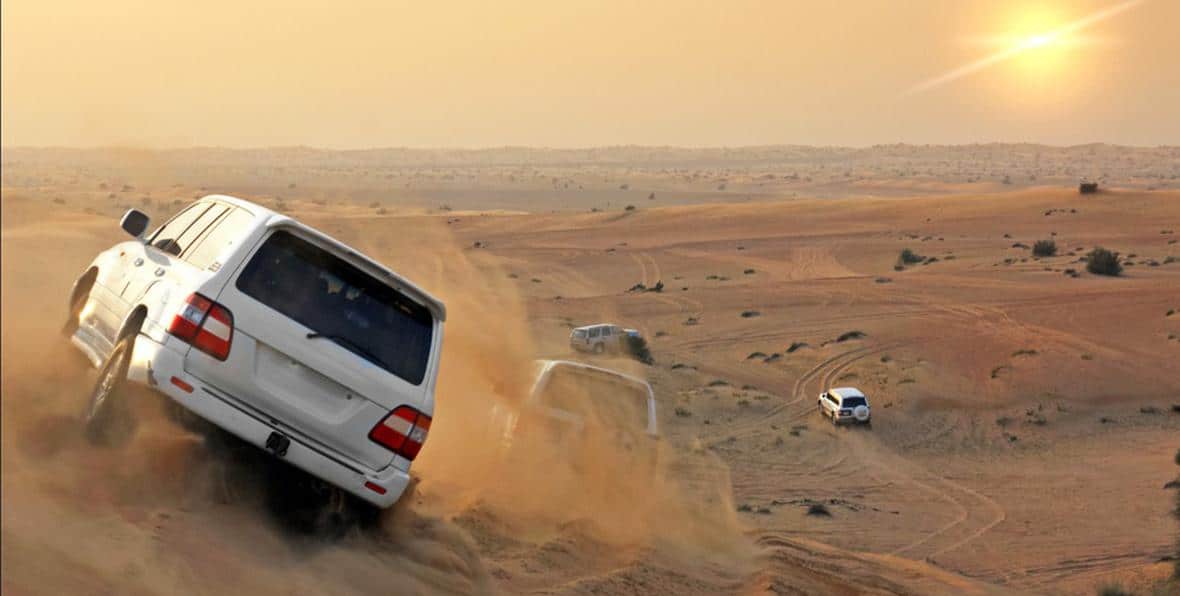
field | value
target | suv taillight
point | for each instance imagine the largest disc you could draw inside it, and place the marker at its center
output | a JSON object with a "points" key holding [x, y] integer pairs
{"points": [[403, 431], [204, 324]]}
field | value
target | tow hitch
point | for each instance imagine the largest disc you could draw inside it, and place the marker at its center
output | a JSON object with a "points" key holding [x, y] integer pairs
{"points": [[277, 444]]}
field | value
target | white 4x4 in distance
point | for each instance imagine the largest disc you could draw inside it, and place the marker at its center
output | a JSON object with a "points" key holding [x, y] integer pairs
{"points": [[270, 330], [845, 405]]}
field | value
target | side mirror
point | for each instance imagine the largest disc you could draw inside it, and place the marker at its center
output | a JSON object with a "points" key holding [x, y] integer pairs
{"points": [[134, 222]]}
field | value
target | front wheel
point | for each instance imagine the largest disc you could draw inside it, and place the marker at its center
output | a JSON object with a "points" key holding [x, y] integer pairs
{"points": [[79, 296], [108, 419], [599, 348]]}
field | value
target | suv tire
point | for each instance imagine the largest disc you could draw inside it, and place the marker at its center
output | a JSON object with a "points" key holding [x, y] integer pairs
{"points": [[108, 418]]}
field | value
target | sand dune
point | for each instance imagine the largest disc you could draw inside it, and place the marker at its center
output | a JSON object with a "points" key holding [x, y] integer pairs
{"points": [[1023, 428]]}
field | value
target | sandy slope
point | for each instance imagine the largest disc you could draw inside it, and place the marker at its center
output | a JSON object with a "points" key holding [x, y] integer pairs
{"points": [[985, 470]]}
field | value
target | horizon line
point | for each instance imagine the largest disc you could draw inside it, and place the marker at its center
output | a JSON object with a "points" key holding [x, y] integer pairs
{"points": [[457, 148]]}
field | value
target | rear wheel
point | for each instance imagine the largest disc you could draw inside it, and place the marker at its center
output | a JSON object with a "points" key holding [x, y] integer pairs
{"points": [[108, 418], [599, 348], [306, 505]]}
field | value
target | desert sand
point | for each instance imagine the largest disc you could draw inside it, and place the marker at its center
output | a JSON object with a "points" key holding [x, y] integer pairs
{"points": [[1025, 419]]}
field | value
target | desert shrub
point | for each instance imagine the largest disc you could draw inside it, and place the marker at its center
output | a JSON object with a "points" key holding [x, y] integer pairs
{"points": [[747, 314], [1044, 248], [818, 509], [795, 345], [637, 347], [629, 208], [682, 412], [1113, 590], [909, 257], [850, 335], [1101, 261]]}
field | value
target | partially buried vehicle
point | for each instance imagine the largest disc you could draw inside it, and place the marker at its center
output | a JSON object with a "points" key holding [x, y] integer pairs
{"points": [[572, 406]]}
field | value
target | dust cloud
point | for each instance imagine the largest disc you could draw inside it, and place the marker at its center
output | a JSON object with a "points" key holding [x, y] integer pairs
{"points": [[172, 511]]}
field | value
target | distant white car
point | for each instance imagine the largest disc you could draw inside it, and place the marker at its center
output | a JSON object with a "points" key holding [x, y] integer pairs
{"points": [[269, 330], [600, 338], [845, 405], [570, 402]]}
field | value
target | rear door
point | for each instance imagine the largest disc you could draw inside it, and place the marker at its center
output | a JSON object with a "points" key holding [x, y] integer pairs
{"points": [[321, 347]]}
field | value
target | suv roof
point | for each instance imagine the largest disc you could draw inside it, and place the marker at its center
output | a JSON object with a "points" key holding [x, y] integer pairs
{"points": [[274, 219], [595, 325], [843, 392]]}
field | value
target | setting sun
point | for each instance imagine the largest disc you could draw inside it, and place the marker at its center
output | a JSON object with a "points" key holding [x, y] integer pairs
{"points": [[1035, 43]]}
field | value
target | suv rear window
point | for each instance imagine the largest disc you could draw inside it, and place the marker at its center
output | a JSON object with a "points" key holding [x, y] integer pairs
{"points": [[852, 402], [341, 302]]}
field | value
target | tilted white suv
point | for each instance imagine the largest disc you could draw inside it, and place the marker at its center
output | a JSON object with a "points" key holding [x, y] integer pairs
{"points": [[575, 406], [845, 405], [270, 330]]}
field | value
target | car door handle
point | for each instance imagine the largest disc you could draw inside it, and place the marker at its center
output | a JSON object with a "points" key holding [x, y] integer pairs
{"points": [[159, 271], [138, 262]]}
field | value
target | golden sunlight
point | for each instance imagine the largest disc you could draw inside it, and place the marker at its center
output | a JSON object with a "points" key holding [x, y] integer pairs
{"points": [[1037, 44]]}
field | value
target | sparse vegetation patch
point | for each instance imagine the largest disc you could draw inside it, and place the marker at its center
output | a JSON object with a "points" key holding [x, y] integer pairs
{"points": [[1044, 248], [1101, 261]]}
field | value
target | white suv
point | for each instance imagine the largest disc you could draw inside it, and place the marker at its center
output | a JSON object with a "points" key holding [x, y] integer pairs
{"points": [[600, 338], [845, 405], [271, 331], [572, 403]]}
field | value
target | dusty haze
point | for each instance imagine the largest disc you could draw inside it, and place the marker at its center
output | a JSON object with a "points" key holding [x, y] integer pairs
{"points": [[365, 74]]}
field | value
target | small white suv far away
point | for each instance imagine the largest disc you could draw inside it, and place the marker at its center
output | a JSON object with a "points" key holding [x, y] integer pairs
{"points": [[270, 330], [845, 405], [600, 338]]}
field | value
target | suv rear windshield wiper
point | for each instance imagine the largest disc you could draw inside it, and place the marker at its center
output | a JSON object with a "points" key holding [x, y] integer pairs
{"points": [[347, 344]]}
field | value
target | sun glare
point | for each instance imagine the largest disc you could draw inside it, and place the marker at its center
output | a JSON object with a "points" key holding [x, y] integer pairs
{"points": [[1036, 43], [1039, 41]]}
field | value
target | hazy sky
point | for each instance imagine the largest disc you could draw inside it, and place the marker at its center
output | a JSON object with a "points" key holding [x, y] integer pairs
{"points": [[564, 73]]}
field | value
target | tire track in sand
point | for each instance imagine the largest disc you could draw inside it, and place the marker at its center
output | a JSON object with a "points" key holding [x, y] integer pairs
{"points": [[945, 489]]}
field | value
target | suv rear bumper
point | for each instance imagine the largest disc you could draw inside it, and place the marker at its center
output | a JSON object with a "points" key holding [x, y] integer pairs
{"points": [[160, 368], [852, 420]]}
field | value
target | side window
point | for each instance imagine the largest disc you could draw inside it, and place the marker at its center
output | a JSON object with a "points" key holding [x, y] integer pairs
{"points": [[165, 238], [225, 233], [595, 331], [606, 331], [189, 237]]}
